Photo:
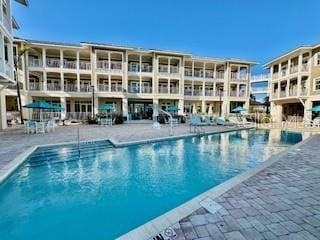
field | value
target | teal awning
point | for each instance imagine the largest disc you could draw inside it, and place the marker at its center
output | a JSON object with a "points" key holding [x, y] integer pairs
{"points": [[40, 104], [239, 109], [172, 108], [106, 107], [315, 109]]}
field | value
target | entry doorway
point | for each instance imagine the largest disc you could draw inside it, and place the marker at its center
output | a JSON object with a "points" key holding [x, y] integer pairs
{"points": [[140, 110]]}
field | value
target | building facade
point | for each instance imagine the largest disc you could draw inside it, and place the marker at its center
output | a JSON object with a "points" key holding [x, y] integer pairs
{"points": [[295, 84], [7, 23], [138, 82]]}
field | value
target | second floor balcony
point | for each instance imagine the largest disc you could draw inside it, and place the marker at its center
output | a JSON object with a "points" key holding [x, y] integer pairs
{"points": [[84, 65], [36, 86], [70, 64], [53, 87], [35, 62], [53, 63], [70, 87]]}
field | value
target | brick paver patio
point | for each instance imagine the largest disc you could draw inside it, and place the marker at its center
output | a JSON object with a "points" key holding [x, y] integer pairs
{"points": [[280, 202]]}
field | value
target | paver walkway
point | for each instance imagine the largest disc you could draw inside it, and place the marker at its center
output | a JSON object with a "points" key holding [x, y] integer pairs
{"points": [[280, 202]]}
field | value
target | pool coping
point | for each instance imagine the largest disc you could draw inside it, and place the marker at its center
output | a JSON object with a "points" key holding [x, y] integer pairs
{"points": [[10, 168], [157, 225]]}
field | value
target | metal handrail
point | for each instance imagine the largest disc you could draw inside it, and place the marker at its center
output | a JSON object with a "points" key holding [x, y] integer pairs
{"points": [[171, 119]]}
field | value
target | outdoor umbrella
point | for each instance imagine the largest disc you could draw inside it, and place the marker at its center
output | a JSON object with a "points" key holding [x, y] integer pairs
{"points": [[210, 111], [106, 107], [40, 104], [315, 109], [194, 110], [239, 109]]}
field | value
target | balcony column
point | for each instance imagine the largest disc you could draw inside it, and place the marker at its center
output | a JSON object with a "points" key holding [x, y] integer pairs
{"points": [[109, 61], [169, 81], [280, 71], [155, 69], [78, 82], [169, 62], [238, 73], [271, 73], [63, 104], [180, 107], [299, 85], [279, 89], [44, 81], [3, 111], [62, 81], [203, 88], [125, 72], [289, 66], [214, 90], [140, 65], [155, 109], [109, 81], [78, 60], [300, 63], [192, 88], [125, 107], [61, 59], [307, 116], [26, 71], [44, 58], [204, 71], [203, 107], [238, 90], [192, 68]]}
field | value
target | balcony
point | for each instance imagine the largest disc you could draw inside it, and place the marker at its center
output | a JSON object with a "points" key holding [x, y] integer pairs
{"points": [[242, 94], [198, 73], [103, 88], [274, 94], [85, 65], [174, 69], [275, 75], [219, 75], [134, 67], [305, 67], [116, 66], [304, 92], [35, 62], [174, 90], [8, 69], [134, 90], [208, 92], [234, 76], [6, 23], [283, 72], [146, 90], [103, 65], [70, 64], [293, 92], [209, 74], [197, 92], [219, 93], [283, 93], [53, 87], [85, 88], [163, 68], [35, 86], [188, 92], [163, 90], [53, 62], [70, 88], [116, 88], [146, 68], [233, 93], [294, 69]]}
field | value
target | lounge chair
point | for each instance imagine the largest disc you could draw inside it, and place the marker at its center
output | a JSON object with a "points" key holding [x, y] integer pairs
{"points": [[196, 123], [209, 122], [222, 121]]}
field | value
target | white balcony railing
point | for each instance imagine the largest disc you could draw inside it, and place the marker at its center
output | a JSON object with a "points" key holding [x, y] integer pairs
{"points": [[242, 94], [293, 91], [198, 73], [78, 115], [116, 66], [209, 74], [103, 64], [35, 62], [174, 90], [70, 64], [53, 62], [70, 88], [294, 69], [305, 67], [233, 93], [304, 92], [208, 92], [116, 88], [187, 92], [146, 90], [84, 65], [53, 87], [234, 76], [134, 67], [219, 75], [146, 67], [103, 87], [163, 68], [163, 90], [260, 77], [283, 72], [174, 69], [197, 92], [35, 86], [188, 72], [134, 90], [219, 93], [275, 75], [85, 88], [283, 93]]}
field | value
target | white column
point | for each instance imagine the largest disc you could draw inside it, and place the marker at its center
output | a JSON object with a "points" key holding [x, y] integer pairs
{"points": [[215, 71], [238, 90], [78, 60], [125, 107], [169, 80], [61, 59], [62, 81], [299, 85], [192, 68], [300, 62], [44, 80], [169, 61], [155, 108], [287, 89], [109, 60], [204, 70], [289, 66], [78, 82], [3, 110], [203, 106], [63, 103], [44, 57], [203, 88], [180, 106]]}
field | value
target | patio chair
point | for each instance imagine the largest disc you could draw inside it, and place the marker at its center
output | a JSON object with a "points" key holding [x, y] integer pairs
{"points": [[29, 127], [40, 127], [222, 121], [209, 122]]}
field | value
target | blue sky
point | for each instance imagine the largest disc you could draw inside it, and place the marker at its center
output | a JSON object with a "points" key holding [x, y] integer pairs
{"points": [[248, 29]]}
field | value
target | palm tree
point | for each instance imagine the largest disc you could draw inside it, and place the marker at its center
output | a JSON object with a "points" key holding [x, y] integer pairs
{"points": [[17, 62], [267, 104]]}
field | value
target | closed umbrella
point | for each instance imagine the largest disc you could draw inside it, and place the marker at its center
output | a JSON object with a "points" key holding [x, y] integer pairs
{"points": [[210, 111], [194, 110]]}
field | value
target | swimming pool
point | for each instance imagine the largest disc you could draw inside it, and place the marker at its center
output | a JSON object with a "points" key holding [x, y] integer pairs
{"points": [[104, 192]]}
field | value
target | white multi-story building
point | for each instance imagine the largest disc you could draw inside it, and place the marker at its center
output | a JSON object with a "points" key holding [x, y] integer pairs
{"points": [[7, 22], [136, 81], [295, 83]]}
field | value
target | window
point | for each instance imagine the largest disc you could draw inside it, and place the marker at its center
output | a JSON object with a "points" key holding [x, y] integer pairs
{"points": [[317, 84], [318, 59]]}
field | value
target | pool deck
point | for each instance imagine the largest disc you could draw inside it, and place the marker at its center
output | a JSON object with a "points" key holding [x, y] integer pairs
{"points": [[15, 144], [279, 199]]}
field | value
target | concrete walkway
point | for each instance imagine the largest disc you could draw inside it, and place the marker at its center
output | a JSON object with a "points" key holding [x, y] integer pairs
{"points": [[280, 202], [14, 141]]}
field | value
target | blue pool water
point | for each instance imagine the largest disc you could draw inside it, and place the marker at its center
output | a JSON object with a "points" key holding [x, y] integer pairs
{"points": [[110, 191]]}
